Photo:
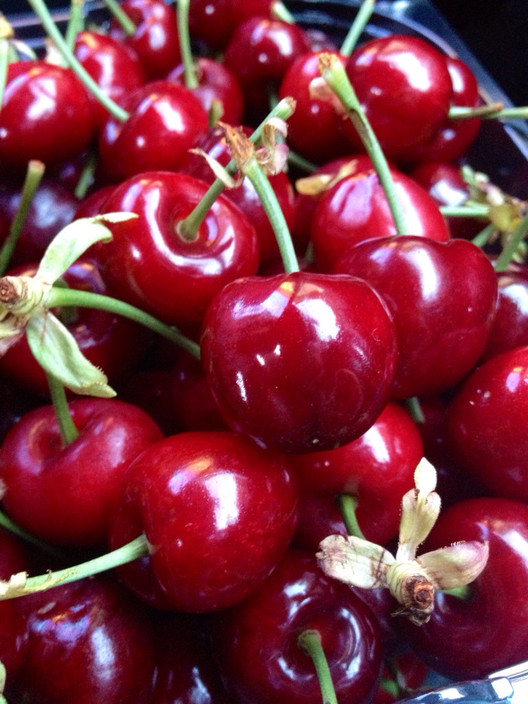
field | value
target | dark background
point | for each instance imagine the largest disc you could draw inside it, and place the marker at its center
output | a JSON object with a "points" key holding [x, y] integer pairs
{"points": [[495, 30]]}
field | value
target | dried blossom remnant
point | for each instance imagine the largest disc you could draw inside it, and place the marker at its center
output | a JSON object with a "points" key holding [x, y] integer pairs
{"points": [[271, 155], [411, 579]]}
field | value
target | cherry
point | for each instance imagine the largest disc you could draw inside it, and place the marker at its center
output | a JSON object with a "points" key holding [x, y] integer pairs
{"points": [[114, 66], [356, 209], [164, 120], [376, 470], [308, 340], [87, 641], [219, 512], [150, 264], [482, 419], [404, 87], [256, 643], [443, 310], [45, 115], [155, 39], [467, 639], [59, 493]]}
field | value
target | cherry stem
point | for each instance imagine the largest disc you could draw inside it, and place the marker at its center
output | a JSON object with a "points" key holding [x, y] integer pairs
{"points": [[310, 642], [189, 227], [467, 210], [266, 194], [4, 63], [463, 593], [34, 174], [300, 162], [86, 178], [189, 71], [126, 24], [40, 9], [415, 409], [15, 529], [491, 111], [127, 553], [88, 299], [75, 22], [335, 75], [484, 235], [348, 505], [512, 246], [281, 12], [68, 431], [358, 25]]}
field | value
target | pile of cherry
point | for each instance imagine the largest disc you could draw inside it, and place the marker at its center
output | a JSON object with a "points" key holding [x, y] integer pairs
{"points": [[224, 460]]}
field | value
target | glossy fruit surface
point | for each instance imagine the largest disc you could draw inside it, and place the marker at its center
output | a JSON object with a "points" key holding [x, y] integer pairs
{"points": [[321, 346], [265, 665]]}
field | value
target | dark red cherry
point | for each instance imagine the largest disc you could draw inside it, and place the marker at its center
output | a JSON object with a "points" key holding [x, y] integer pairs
{"points": [[155, 39], [45, 115], [88, 641], [219, 513], [265, 664], [442, 297], [322, 347], [404, 87], [60, 492], [151, 265], [164, 120], [485, 424], [356, 209]]}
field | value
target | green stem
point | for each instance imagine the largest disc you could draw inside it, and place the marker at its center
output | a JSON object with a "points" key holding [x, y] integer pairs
{"points": [[4, 63], [189, 71], [40, 9], [281, 12], [335, 75], [358, 25], [515, 240], [348, 505], [75, 22], [310, 642], [463, 593], [86, 179], [12, 527], [266, 194], [34, 174], [189, 227], [67, 428], [484, 235], [469, 210], [87, 299], [491, 112], [122, 556], [115, 9], [415, 409], [300, 162]]}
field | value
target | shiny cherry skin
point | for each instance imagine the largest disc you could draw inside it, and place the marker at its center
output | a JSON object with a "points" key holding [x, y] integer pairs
{"points": [[88, 641], [155, 39], [489, 631], [244, 196], [510, 326], [404, 87], [113, 65], [453, 138], [164, 119], [377, 469], [58, 492], [45, 115], [442, 297], [219, 513], [256, 642], [216, 84], [52, 208], [356, 209], [322, 347], [149, 264], [111, 342], [485, 422]]}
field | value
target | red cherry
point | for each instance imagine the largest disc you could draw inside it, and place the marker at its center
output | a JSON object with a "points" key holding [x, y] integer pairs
{"points": [[60, 493], [292, 360], [442, 297], [45, 115], [485, 417], [164, 120], [356, 209], [265, 664], [219, 512], [467, 639], [149, 264], [155, 39], [404, 87]]}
